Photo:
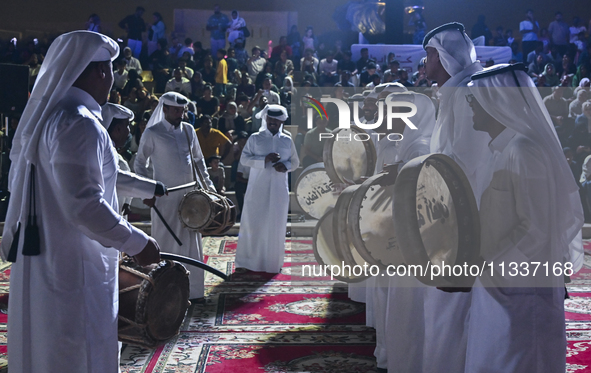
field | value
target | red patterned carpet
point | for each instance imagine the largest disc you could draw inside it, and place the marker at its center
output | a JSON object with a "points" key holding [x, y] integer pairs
{"points": [[257, 322]]}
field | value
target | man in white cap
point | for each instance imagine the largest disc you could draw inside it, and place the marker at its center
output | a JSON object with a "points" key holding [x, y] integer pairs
{"points": [[116, 120], [62, 229], [451, 60], [270, 154], [171, 147], [530, 212]]}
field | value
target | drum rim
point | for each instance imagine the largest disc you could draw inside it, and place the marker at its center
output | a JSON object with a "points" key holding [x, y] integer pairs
{"points": [[370, 152], [314, 166], [326, 216], [179, 208], [353, 220], [341, 234], [411, 243]]}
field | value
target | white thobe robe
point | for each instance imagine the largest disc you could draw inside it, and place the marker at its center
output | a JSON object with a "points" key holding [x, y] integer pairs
{"points": [[516, 329], [166, 148], [261, 241], [64, 303], [131, 185], [446, 314]]}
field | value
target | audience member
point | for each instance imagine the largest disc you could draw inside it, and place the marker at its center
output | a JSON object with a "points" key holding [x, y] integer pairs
{"points": [[179, 83], [529, 30], [130, 61], [212, 141], [135, 26], [156, 32], [208, 73], [235, 29], [208, 104], [217, 25]]}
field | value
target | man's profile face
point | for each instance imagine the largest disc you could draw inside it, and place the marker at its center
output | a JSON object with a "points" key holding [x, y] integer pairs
{"points": [[273, 124], [432, 63], [173, 114], [120, 132], [106, 81], [480, 117]]}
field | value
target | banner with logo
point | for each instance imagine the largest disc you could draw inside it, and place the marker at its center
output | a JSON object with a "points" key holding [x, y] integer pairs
{"points": [[409, 55]]}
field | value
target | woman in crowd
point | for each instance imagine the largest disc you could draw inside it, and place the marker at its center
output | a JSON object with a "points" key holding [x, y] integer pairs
{"points": [[156, 32], [235, 29]]}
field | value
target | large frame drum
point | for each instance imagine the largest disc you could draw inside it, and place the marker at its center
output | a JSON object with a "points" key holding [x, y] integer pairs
{"points": [[313, 190], [346, 159], [436, 217], [153, 301], [371, 225]]}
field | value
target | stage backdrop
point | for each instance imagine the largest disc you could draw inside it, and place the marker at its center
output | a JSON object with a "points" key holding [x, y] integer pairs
{"points": [[410, 55], [263, 26]]}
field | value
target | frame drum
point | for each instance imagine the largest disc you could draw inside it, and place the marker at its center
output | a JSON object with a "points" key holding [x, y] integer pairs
{"points": [[153, 301], [346, 158], [342, 235], [371, 224], [436, 217], [314, 191]]}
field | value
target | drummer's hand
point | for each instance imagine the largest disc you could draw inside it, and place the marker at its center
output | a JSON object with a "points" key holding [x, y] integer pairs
{"points": [[454, 290], [150, 202], [161, 190], [280, 167], [272, 157], [150, 254]]}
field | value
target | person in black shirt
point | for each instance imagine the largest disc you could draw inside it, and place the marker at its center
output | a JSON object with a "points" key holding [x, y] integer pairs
{"points": [[364, 60], [134, 25], [208, 72], [208, 104], [346, 63]]}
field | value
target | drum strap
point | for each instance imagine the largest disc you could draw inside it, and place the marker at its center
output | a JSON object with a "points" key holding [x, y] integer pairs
{"points": [[196, 170]]}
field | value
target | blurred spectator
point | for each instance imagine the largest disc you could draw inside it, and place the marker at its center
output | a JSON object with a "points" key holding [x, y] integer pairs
{"points": [[545, 40], [536, 68], [208, 72], [283, 46], [557, 106], [217, 25], [346, 63], [364, 78], [499, 40], [230, 122], [417, 21], [481, 29], [582, 72], [552, 78], [419, 77], [179, 83], [327, 70], [197, 86], [135, 26], [363, 60], [186, 72], [309, 41], [256, 63], [221, 75], [130, 61], [559, 33], [212, 141], [161, 63], [156, 32], [208, 104], [235, 29], [344, 82], [217, 174], [309, 63], [240, 53], [120, 74], [267, 71], [403, 78], [529, 30], [187, 48], [294, 40], [246, 86], [575, 108], [94, 23], [575, 29]]}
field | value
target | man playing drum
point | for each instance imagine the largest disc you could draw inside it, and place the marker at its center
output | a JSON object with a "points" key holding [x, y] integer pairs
{"points": [[451, 60], [530, 212], [165, 145], [270, 154], [62, 230]]}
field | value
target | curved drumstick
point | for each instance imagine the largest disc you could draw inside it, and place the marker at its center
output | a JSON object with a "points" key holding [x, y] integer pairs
{"points": [[166, 225], [194, 262]]}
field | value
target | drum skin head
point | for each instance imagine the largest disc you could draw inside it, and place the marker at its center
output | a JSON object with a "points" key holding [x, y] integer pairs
{"points": [[157, 306], [314, 191], [325, 250], [436, 217], [371, 224], [195, 209], [349, 160]]}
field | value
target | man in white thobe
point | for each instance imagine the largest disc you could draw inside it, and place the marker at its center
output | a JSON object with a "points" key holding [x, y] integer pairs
{"points": [[62, 184], [398, 301], [116, 120], [451, 60], [530, 212], [270, 154], [171, 147]]}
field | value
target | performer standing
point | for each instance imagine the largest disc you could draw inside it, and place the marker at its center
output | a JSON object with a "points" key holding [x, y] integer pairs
{"points": [[530, 212], [451, 60], [62, 228], [270, 154], [116, 120], [165, 145]]}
